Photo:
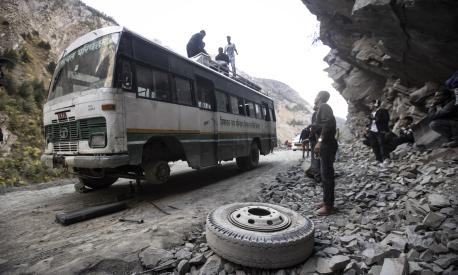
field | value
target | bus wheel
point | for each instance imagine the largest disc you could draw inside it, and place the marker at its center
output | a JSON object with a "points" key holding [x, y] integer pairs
{"points": [[251, 161], [157, 171], [96, 178]]}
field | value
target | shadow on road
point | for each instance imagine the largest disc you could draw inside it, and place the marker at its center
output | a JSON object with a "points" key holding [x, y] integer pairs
{"points": [[180, 182]]}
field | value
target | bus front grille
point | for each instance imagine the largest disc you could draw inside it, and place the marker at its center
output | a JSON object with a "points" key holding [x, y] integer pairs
{"points": [[74, 130], [66, 147]]}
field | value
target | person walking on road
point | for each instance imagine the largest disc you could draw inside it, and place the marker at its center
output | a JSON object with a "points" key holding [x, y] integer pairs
{"points": [[231, 50], [304, 140], [325, 149]]}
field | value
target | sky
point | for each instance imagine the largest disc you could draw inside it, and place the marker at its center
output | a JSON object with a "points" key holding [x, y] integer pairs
{"points": [[273, 38]]}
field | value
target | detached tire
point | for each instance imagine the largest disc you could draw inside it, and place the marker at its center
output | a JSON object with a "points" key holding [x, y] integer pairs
{"points": [[157, 172], [96, 178], [251, 161], [260, 235]]}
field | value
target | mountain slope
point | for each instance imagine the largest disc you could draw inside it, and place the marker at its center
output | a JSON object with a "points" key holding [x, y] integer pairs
{"points": [[33, 33], [293, 112]]}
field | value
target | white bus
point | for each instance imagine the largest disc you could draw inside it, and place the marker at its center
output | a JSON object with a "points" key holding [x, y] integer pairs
{"points": [[120, 105]]}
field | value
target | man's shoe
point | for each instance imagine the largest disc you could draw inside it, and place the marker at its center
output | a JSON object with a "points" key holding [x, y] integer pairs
{"points": [[325, 211], [318, 205]]}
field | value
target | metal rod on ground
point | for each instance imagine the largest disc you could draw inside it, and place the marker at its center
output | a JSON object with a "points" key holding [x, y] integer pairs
{"points": [[158, 208], [89, 213]]}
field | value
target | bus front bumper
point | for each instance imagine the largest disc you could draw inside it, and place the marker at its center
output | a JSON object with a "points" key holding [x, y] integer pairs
{"points": [[110, 161]]}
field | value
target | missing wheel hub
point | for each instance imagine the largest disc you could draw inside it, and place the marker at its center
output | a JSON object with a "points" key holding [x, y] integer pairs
{"points": [[259, 218]]}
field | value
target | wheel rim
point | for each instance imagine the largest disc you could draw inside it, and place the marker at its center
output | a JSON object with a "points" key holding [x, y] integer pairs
{"points": [[259, 218]]}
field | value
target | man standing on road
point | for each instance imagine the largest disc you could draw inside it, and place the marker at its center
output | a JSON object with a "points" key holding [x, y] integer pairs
{"points": [[325, 150], [231, 50], [304, 139]]}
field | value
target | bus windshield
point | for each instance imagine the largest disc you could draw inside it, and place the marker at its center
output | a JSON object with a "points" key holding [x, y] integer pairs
{"points": [[90, 66]]}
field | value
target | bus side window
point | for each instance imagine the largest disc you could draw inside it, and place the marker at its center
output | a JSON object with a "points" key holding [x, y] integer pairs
{"points": [[161, 86], [234, 105], [184, 90], [249, 106], [241, 106], [265, 113], [222, 102], [258, 111], [124, 75], [145, 81], [273, 114], [204, 94]]}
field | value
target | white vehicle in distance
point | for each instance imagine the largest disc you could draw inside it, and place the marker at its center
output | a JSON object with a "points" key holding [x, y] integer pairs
{"points": [[297, 145]]}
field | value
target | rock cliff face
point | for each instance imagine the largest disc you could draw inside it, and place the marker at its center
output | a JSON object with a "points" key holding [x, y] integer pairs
{"points": [[399, 51]]}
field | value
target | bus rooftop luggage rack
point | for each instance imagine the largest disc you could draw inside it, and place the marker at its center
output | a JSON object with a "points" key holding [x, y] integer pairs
{"points": [[206, 60]]}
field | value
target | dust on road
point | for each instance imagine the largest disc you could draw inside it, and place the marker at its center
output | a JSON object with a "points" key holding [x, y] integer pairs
{"points": [[31, 242]]}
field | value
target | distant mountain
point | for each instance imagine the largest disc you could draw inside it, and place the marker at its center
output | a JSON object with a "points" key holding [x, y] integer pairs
{"points": [[293, 112]]}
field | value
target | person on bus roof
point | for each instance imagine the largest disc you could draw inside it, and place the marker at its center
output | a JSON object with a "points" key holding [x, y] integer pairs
{"points": [[223, 60], [231, 50], [196, 44]]}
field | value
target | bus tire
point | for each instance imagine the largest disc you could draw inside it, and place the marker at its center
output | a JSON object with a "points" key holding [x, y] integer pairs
{"points": [[157, 171], [283, 246], [251, 161], [96, 178]]}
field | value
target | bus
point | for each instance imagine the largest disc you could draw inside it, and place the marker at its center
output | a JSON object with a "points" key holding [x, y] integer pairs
{"points": [[122, 106]]}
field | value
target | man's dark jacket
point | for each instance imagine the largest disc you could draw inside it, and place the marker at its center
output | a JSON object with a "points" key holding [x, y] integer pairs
{"points": [[327, 122], [382, 120]]}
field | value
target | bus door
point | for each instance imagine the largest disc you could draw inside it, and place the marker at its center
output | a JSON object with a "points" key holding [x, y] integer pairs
{"points": [[207, 119]]}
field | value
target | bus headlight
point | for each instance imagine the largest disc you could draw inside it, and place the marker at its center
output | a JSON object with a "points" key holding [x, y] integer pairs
{"points": [[97, 140]]}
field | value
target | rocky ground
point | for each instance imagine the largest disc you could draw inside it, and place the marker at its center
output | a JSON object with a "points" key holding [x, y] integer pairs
{"points": [[398, 217]]}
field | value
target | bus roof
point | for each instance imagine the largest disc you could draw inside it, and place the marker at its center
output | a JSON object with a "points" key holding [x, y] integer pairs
{"points": [[90, 36]]}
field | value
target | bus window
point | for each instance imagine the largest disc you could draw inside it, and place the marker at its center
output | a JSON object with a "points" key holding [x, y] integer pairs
{"points": [[241, 106], [161, 86], [204, 94], [145, 82], [234, 105], [249, 106], [265, 113], [273, 114], [152, 84], [222, 102], [184, 91], [125, 75], [258, 111]]}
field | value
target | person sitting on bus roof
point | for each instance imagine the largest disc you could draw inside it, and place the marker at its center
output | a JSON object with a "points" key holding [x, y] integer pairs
{"points": [[196, 44], [223, 60]]}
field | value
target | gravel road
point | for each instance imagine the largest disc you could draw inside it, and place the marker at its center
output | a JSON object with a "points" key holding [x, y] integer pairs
{"points": [[32, 242]]}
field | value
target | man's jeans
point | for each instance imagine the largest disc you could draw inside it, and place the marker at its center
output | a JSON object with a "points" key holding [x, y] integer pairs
{"points": [[377, 141], [327, 157], [232, 62], [447, 128]]}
